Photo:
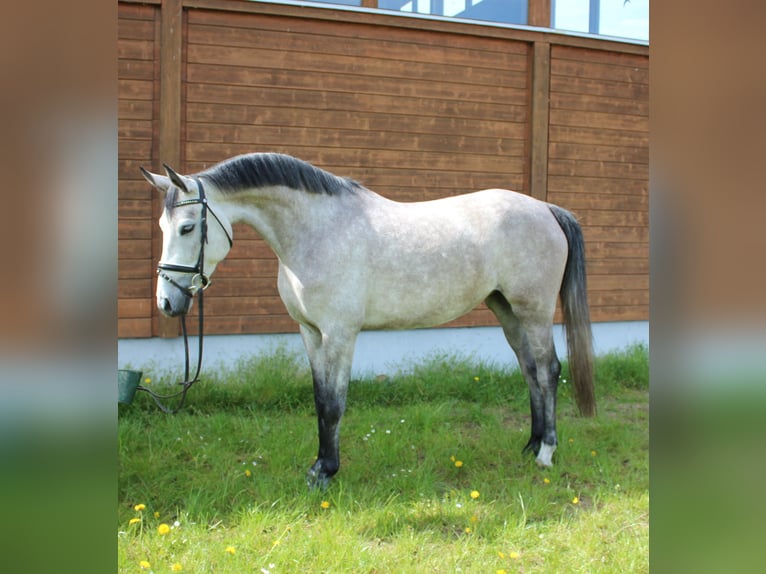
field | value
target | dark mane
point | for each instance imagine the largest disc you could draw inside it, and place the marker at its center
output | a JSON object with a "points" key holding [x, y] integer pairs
{"points": [[272, 169]]}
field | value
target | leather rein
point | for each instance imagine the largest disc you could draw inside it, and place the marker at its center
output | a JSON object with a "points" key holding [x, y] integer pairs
{"points": [[199, 282]]}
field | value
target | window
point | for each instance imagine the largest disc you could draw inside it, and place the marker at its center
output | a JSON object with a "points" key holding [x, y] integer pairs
{"points": [[622, 18], [506, 11]]}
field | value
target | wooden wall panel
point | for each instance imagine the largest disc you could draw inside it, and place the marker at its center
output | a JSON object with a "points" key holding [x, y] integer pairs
{"points": [[412, 114], [412, 111], [137, 57], [598, 167]]}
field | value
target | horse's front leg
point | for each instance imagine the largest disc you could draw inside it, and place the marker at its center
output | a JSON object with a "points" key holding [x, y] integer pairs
{"points": [[330, 357]]}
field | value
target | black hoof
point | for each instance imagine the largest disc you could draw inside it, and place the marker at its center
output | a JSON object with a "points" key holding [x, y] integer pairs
{"points": [[319, 475], [533, 446]]}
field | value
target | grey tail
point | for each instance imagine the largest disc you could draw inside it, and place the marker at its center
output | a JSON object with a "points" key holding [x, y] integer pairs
{"points": [[574, 305]]}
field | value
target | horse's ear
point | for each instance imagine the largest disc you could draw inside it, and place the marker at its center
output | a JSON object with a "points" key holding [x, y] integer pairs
{"points": [[159, 181], [178, 180]]}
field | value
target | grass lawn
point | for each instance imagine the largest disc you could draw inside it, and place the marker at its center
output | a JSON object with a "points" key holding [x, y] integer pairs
{"points": [[432, 478]]}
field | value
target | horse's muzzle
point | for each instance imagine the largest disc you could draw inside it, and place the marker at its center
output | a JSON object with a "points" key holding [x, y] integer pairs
{"points": [[173, 308]]}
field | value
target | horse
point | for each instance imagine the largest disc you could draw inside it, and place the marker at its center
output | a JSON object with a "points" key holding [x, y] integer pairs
{"points": [[351, 259]]}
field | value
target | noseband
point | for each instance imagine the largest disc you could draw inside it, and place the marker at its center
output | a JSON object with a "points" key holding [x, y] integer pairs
{"points": [[199, 282]]}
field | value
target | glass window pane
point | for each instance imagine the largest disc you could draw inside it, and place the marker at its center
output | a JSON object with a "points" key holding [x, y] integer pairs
{"points": [[625, 19], [572, 15], [346, 2], [622, 18], [505, 11]]}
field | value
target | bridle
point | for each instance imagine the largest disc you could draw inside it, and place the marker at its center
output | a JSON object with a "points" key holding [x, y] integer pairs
{"points": [[198, 284]]}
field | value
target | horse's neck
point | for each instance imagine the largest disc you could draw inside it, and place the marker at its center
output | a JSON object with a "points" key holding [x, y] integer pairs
{"points": [[283, 217]]}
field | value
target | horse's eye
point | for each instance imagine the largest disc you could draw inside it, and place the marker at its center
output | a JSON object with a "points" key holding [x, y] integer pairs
{"points": [[186, 229]]}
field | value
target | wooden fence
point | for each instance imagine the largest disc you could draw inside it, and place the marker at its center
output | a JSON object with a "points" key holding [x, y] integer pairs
{"points": [[413, 108]]}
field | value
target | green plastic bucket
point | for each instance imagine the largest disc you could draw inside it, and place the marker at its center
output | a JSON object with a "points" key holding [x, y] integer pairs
{"points": [[127, 383]]}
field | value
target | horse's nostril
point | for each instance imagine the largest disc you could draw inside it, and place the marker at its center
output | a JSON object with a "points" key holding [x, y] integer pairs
{"points": [[166, 305]]}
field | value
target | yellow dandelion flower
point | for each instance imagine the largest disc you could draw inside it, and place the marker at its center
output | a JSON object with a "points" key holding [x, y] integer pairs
{"points": [[468, 530], [546, 480], [452, 458], [476, 379], [144, 564], [139, 507], [475, 494], [513, 555], [571, 441], [459, 463], [230, 550], [501, 571], [133, 521], [176, 567], [163, 529], [156, 514], [501, 555], [276, 543], [147, 380], [593, 453], [576, 500], [248, 473], [325, 504], [474, 519]]}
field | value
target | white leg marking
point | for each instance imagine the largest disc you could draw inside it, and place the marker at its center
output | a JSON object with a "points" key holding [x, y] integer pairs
{"points": [[546, 454]]}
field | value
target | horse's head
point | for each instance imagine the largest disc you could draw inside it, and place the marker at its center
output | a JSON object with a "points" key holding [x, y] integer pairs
{"points": [[193, 242]]}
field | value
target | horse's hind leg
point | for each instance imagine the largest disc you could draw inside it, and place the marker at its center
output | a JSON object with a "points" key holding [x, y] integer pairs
{"points": [[540, 367], [330, 357]]}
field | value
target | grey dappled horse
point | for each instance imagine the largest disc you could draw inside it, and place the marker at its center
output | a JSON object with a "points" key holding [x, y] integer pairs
{"points": [[350, 259]]}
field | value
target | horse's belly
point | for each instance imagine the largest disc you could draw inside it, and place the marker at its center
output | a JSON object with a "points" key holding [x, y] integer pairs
{"points": [[399, 309]]}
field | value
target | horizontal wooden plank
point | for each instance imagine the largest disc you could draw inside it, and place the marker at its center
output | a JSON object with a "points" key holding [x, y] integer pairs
{"points": [[597, 136], [614, 218], [597, 103], [135, 89], [135, 268], [353, 64], [134, 109], [136, 188], [136, 29], [600, 56], [135, 69], [598, 185], [214, 152], [598, 70], [135, 289], [134, 249], [619, 313], [137, 11], [298, 100], [134, 209], [620, 122], [613, 282], [261, 114], [134, 308], [606, 153], [140, 149], [582, 168], [265, 136], [323, 41], [611, 234], [585, 200], [135, 129], [134, 328], [299, 79], [134, 228], [135, 49], [606, 88], [615, 250], [336, 27]]}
